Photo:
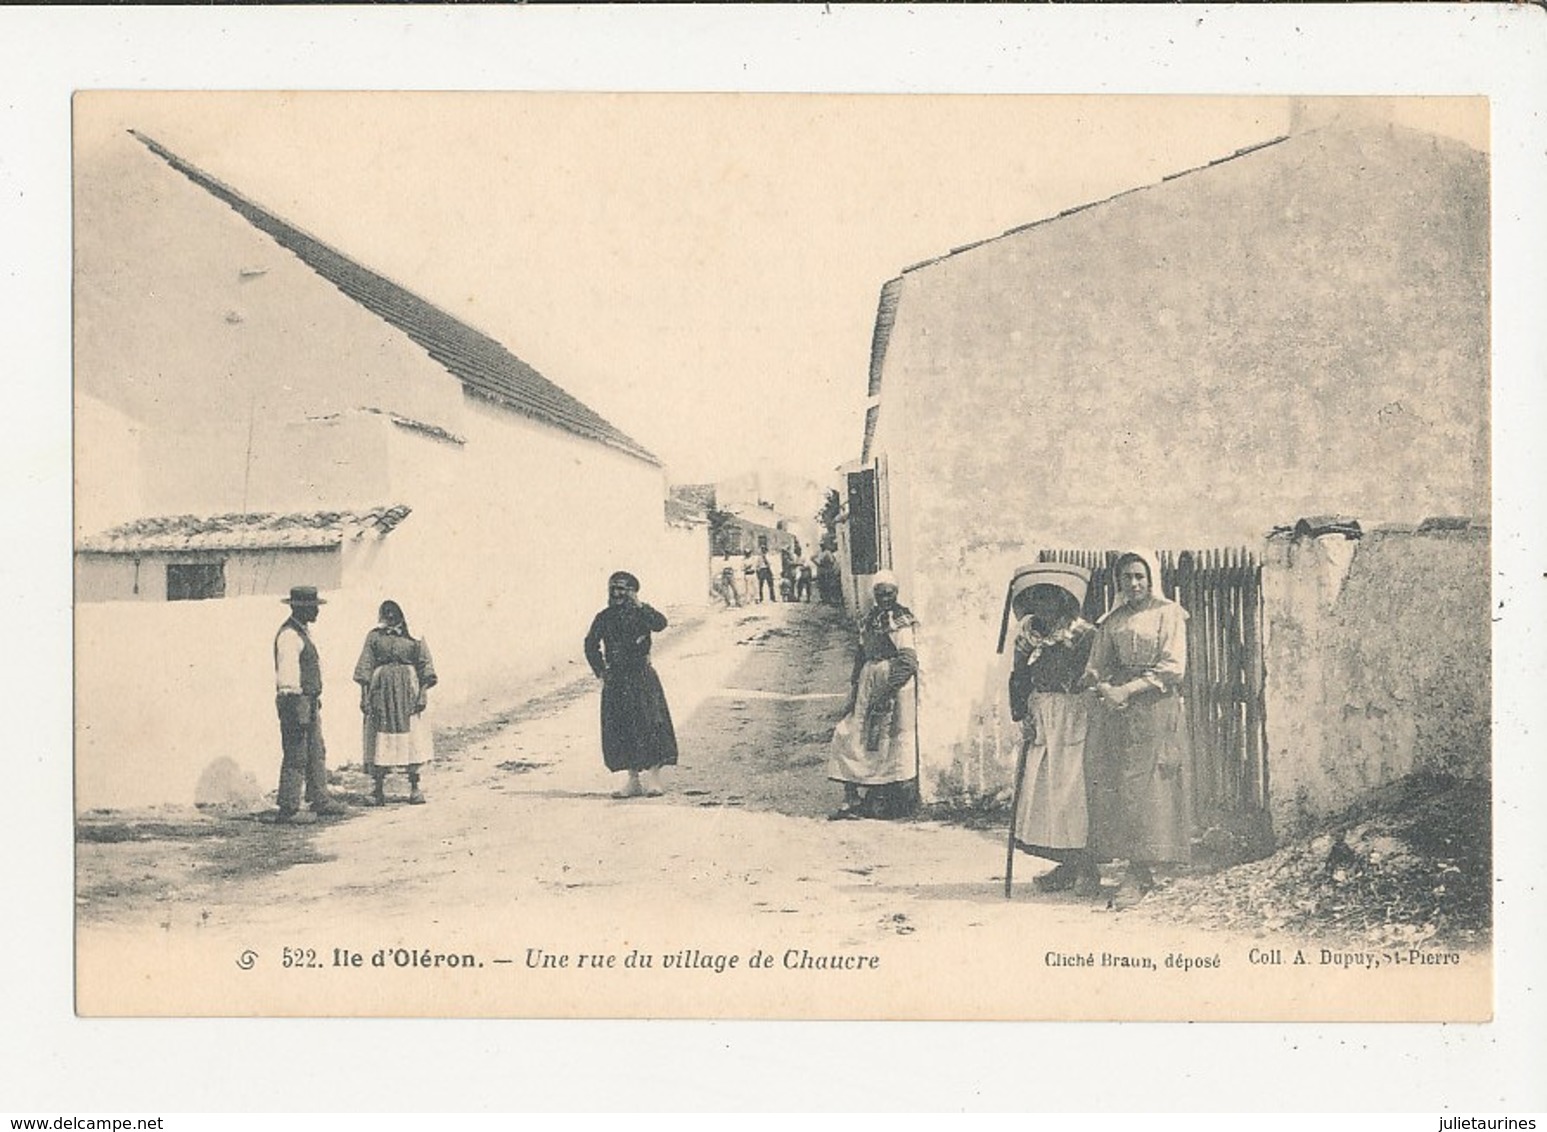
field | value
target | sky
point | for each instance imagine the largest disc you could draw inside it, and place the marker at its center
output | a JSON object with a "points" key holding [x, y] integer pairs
{"points": [[701, 269]]}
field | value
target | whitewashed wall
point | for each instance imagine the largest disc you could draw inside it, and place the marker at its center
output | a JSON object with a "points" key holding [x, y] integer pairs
{"points": [[163, 690], [1378, 659], [193, 322], [505, 558], [500, 566], [120, 577], [679, 570]]}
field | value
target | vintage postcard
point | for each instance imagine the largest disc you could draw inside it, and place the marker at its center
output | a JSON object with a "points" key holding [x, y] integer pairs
{"points": [[783, 556], [408, 397]]}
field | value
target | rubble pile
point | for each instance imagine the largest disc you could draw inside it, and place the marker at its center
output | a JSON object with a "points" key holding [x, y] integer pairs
{"points": [[1413, 863]]}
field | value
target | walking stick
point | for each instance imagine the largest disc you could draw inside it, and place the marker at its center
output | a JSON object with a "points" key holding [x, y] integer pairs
{"points": [[1015, 809], [918, 758]]}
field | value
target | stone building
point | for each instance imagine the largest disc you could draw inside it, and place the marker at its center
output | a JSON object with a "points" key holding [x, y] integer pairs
{"points": [[1298, 328]]}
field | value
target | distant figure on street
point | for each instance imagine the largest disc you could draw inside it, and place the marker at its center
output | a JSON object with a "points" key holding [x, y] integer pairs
{"points": [[725, 588], [765, 574], [395, 673], [789, 570], [803, 572], [748, 577], [827, 580], [873, 750], [298, 700], [637, 732]]}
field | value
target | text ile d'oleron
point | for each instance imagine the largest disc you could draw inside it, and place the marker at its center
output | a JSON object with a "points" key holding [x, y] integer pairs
{"points": [[541, 959]]}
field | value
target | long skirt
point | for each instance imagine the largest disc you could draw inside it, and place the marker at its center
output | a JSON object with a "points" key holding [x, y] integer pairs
{"points": [[874, 744], [637, 732], [1054, 812], [394, 734], [1141, 812]]}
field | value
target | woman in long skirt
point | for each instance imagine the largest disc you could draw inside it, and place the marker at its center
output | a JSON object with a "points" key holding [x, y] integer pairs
{"points": [[395, 673], [1137, 750], [873, 746], [637, 732], [1052, 647]]}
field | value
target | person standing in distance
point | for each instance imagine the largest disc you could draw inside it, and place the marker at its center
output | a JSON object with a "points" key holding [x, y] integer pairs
{"points": [[765, 574]]}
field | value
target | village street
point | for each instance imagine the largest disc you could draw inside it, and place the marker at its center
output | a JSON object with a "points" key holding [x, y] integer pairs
{"points": [[522, 853], [399, 440]]}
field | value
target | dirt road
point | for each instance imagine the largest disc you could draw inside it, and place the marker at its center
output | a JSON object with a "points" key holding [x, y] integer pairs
{"points": [[525, 889]]}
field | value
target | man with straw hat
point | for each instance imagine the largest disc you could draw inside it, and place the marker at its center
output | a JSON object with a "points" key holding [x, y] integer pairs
{"points": [[298, 700]]}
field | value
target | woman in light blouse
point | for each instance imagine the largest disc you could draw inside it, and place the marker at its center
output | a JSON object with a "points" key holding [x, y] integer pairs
{"points": [[1137, 751]]}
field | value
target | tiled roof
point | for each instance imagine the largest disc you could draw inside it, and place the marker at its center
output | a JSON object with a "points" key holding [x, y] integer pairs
{"points": [[872, 415], [482, 365], [886, 315], [308, 530]]}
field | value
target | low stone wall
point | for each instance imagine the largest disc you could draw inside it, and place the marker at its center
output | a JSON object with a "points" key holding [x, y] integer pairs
{"points": [[1378, 664], [1377, 659]]}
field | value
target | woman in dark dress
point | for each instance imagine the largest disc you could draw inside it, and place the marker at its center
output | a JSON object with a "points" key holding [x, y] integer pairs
{"points": [[637, 733]]}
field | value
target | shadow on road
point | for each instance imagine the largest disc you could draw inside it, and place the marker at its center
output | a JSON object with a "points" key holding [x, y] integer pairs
{"points": [[761, 742]]}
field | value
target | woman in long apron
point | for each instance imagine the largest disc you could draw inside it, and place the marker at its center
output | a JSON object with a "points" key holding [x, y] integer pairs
{"points": [[1052, 647], [395, 673], [873, 749]]}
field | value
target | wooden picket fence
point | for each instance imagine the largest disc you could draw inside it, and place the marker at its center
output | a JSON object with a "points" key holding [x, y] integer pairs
{"points": [[1222, 593]]}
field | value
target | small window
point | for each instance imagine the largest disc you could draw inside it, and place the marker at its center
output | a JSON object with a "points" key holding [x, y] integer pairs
{"points": [[195, 581]]}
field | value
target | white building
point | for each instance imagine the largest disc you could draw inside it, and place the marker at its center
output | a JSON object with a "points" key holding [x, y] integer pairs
{"points": [[256, 409]]}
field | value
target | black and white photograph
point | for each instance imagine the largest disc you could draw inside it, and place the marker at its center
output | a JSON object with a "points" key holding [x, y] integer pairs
{"points": [[724, 554], [775, 556]]}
